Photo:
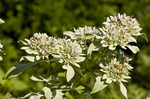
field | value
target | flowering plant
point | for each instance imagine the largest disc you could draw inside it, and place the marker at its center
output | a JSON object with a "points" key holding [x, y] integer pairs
{"points": [[75, 50]]}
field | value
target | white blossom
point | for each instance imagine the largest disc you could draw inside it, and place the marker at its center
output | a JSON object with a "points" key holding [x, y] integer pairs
{"points": [[119, 30], [39, 46], [115, 71], [69, 52], [83, 33]]}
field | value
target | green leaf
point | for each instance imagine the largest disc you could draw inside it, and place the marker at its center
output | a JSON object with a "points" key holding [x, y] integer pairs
{"points": [[18, 69], [47, 93], [68, 95], [133, 48], [123, 90], [70, 72], [80, 89], [99, 85]]}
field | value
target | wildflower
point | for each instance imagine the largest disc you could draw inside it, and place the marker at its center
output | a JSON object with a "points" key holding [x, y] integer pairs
{"points": [[69, 52], [39, 46], [82, 33], [115, 71], [119, 30]]}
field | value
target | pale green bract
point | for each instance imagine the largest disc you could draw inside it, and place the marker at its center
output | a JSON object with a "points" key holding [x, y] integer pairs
{"points": [[119, 30]]}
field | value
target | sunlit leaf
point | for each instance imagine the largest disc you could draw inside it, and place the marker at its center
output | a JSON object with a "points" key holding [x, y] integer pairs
{"points": [[80, 89], [47, 93], [133, 48], [1, 21], [70, 72], [123, 90], [59, 94], [99, 85], [29, 58], [35, 78]]}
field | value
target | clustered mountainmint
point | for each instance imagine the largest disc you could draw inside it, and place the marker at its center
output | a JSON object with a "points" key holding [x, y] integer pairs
{"points": [[117, 33]]}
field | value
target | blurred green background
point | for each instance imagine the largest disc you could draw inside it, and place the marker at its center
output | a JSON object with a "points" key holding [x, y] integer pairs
{"points": [[25, 17]]}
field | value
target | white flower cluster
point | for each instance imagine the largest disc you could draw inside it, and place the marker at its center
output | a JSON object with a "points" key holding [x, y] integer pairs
{"points": [[83, 33], [119, 30], [40, 46], [69, 52], [115, 71]]}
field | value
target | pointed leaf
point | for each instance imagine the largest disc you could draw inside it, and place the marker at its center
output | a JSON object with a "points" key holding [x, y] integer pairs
{"points": [[133, 48], [18, 69], [70, 72], [47, 93], [99, 85], [80, 89], [59, 95], [29, 58], [123, 90], [35, 78], [1, 21]]}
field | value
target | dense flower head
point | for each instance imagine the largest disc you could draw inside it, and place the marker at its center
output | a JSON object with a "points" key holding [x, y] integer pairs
{"points": [[115, 71], [119, 30], [40, 45], [83, 33], [69, 52]]}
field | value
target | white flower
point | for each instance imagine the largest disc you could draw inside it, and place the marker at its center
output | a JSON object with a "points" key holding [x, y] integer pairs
{"points": [[39, 46], [83, 33], [119, 30], [115, 71], [69, 52]]}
